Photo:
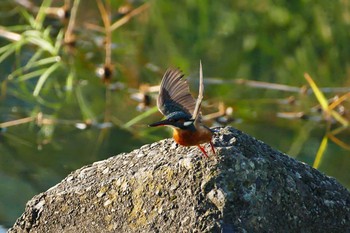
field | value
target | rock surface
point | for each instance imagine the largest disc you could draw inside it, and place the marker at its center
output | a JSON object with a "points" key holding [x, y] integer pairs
{"points": [[163, 187]]}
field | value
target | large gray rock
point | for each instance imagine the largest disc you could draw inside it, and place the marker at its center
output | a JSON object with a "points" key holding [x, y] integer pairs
{"points": [[162, 187]]}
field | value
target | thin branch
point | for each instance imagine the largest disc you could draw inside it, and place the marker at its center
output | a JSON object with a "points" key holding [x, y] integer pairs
{"points": [[127, 17], [69, 37], [17, 122], [106, 18], [10, 35]]}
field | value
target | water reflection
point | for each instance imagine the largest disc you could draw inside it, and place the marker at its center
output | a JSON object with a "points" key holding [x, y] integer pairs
{"points": [[2, 229]]}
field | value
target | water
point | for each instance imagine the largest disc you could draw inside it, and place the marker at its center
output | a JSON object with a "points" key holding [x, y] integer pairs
{"points": [[2, 229]]}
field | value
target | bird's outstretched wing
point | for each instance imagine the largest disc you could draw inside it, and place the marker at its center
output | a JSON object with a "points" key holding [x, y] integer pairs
{"points": [[197, 111], [174, 94]]}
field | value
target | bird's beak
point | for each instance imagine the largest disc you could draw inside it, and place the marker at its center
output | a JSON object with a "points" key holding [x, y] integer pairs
{"points": [[160, 123]]}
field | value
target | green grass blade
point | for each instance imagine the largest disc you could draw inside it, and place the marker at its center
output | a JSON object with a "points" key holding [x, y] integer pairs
{"points": [[42, 43], [320, 152], [58, 42], [5, 48], [34, 64], [86, 111], [36, 56], [31, 75], [40, 17], [339, 118], [46, 61], [140, 117], [298, 143], [319, 95], [69, 81], [10, 49], [44, 77], [30, 19]]}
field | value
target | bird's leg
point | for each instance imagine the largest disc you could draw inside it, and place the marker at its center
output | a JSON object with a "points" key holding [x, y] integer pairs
{"points": [[212, 147], [202, 149]]}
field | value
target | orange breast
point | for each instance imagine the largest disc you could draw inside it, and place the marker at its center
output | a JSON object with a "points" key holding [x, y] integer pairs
{"points": [[192, 138]]}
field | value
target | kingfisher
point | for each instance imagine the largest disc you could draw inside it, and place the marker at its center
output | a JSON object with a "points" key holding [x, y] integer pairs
{"points": [[182, 111]]}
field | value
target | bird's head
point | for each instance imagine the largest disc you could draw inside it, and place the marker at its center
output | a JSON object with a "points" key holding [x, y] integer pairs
{"points": [[177, 120]]}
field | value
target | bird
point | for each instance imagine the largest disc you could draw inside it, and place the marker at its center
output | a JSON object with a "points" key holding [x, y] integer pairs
{"points": [[182, 111]]}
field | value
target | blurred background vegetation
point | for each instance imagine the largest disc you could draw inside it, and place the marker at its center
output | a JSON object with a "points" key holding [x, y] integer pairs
{"points": [[78, 80]]}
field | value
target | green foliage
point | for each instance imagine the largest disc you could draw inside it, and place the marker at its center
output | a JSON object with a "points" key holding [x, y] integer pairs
{"points": [[274, 41]]}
